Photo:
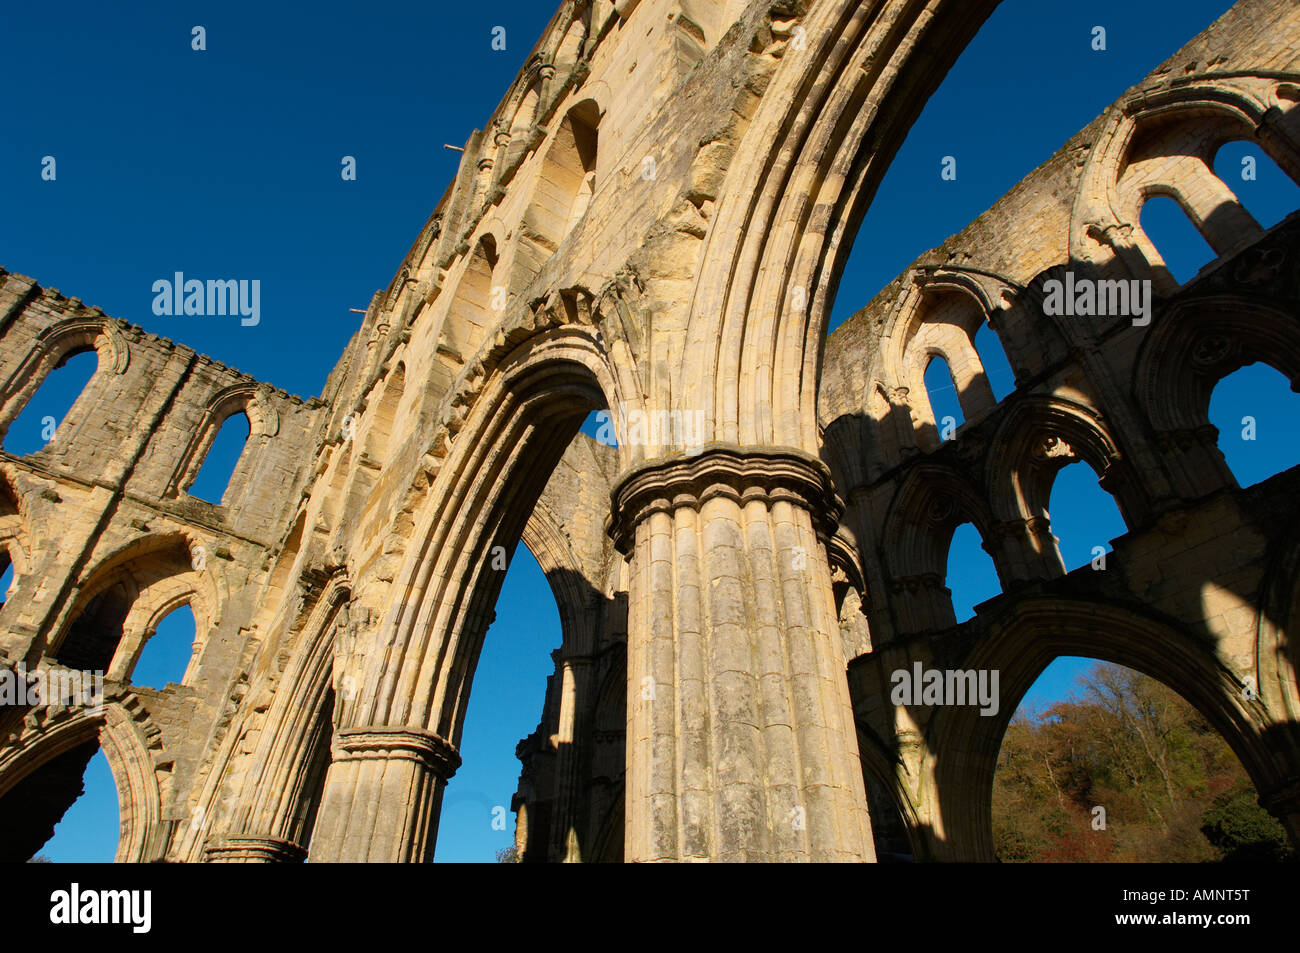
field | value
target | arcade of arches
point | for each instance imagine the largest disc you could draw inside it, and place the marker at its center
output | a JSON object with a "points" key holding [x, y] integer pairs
{"points": [[742, 576]]}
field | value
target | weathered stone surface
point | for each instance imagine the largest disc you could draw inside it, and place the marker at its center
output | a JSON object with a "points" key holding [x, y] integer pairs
{"points": [[650, 223]]}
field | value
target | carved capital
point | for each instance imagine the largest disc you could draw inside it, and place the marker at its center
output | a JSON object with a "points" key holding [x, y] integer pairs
{"points": [[382, 742], [253, 849], [726, 470]]}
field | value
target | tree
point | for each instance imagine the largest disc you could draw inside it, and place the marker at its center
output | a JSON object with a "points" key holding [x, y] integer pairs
{"points": [[1170, 786]]}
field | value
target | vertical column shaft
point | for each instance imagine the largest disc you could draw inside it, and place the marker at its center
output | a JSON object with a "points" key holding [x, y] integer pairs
{"points": [[382, 796], [741, 742]]}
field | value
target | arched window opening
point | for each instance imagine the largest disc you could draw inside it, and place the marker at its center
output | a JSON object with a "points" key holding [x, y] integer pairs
{"points": [[479, 305], [213, 479], [997, 369], [953, 123], [522, 121], [571, 48], [1258, 419], [379, 437], [168, 652], [601, 426], [1084, 517], [1102, 763], [515, 662], [94, 635], [36, 426], [1181, 247], [944, 401], [564, 187], [65, 811], [94, 639], [288, 556], [6, 576], [8, 501], [972, 577], [1266, 192]]}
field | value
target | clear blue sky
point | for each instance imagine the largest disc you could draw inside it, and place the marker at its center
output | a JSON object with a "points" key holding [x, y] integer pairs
{"points": [[225, 163]]}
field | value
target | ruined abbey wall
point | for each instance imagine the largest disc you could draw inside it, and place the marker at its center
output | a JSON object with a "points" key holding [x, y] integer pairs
{"points": [[653, 221]]}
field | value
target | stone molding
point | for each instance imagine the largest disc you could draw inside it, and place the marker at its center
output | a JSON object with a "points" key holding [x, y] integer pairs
{"points": [[726, 470], [388, 743], [253, 848]]}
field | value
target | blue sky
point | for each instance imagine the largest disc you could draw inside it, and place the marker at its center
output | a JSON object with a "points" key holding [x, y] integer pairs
{"points": [[226, 163]]}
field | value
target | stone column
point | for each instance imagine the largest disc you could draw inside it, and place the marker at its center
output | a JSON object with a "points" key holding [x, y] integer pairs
{"points": [[382, 796], [253, 849], [741, 741], [572, 737]]}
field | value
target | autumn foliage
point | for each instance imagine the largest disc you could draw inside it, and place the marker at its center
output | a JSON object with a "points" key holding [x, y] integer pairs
{"points": [[1169, 787]]}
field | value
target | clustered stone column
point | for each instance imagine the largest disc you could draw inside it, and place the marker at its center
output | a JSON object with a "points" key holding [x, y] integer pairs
{"points": [[382, 795], [253, 849], [741, 741], [572, 736]]}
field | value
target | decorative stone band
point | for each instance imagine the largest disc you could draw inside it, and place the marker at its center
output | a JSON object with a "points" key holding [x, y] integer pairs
{"points": [[411, 744], [253, 849], [728, 470]]}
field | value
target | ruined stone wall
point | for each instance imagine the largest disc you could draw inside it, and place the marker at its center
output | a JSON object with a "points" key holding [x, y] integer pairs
{"points": [[99, 521], [1128, 395], [629, 230]]}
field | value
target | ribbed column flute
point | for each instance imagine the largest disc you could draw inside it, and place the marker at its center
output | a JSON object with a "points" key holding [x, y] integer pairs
{"points": [[741, 743], [382, 796]]}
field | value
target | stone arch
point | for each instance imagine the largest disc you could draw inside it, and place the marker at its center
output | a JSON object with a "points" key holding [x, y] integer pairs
{"points": [[524, 116], [556, 372], [48, 733], [52, 348], [939, 314], [518, 133], [926, 510], [377, 444], [852, 597], [273, 818], [1200, 342], [263, 423], [566, 181], [287, 555], [15, 537], [811, 154], [1145, 149], [1023, 639], [504, 430], [549, 544], [478, 304], [114, 611], [574, 44], [1037, 438]]}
